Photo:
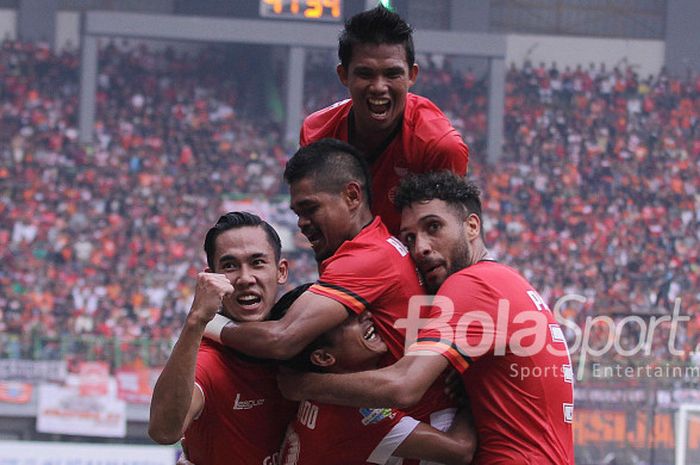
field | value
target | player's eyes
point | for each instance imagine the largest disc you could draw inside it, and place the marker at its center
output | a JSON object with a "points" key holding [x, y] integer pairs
{"points": [[434, 226]]}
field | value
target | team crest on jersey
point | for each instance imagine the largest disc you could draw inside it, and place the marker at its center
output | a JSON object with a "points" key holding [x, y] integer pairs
{"points": [[371, 416]]}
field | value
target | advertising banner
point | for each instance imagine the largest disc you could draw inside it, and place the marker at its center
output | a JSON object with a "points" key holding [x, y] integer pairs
{"points": [[33, 371], [64, 410], [33, 453]]}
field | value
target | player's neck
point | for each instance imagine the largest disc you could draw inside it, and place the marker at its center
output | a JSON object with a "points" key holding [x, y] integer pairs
{"points": [[364, 218], [369, 140], [479, 253]]}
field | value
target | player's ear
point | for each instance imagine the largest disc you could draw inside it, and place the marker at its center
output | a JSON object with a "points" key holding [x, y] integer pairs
{"points": [[342, 74], [353, 194], [282, 271], [413, 74], [321, 358], [472, 227]]}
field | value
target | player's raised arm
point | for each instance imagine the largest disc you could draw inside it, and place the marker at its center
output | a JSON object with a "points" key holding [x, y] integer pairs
{"points": [[176, 400]]}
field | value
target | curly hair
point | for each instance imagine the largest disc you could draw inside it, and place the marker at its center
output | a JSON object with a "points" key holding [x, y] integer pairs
{"points": [[442, 185]]}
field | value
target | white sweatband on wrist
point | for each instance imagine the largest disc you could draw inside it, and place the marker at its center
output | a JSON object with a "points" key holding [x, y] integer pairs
{"points": [[216, 326]]}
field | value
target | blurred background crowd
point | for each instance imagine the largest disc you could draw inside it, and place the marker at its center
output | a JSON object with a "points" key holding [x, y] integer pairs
{"points": [[597, 192]]}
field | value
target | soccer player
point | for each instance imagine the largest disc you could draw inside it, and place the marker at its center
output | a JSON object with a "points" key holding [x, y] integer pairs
{"points": [[329, 434], [361, 267], [482, 324], [399, 132], [227, 405]]}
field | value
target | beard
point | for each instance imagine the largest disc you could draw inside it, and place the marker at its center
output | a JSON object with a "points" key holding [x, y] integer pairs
{"points": [[459, 257]]}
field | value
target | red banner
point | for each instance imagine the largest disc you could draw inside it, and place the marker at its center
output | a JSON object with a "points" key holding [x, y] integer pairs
{"points": [[13, 392], [94, 378], [136, 385]]}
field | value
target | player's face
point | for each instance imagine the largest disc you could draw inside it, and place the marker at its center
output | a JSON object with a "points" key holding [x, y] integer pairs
{"points": [[356, 345], [378, 78], [435, 236], [323, 217], [247, 259]]}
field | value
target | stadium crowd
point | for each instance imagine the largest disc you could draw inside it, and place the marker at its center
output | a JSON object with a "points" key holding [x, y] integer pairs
{"points": [[597, 192]]}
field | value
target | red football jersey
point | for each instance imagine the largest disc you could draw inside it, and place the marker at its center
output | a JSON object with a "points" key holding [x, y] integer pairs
{"points": [[329, 434], [244, 416], [514, 362], [374, 272], [426, 142]]}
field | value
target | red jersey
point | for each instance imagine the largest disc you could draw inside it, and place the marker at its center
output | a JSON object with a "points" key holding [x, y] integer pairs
{"points": [[325, 434], [425, 142], [517, 374], [244, 417], [374, 271]]}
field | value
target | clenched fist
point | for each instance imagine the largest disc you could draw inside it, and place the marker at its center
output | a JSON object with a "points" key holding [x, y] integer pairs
{"points": [[209, 295]]}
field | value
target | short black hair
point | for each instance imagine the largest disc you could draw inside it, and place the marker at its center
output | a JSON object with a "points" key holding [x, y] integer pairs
{"points": [[331, 164], [233, 220], [443, 185], [376, 26]]}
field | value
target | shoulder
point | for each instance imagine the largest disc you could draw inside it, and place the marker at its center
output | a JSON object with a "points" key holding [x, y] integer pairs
{"points": [[421, 112], [433, 139], [482, 281], [373, 250], [324, 122]]}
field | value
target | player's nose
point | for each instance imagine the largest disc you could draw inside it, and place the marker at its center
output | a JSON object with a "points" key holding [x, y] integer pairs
{"points": [[245, 278], [378, 85], [422, 246]]}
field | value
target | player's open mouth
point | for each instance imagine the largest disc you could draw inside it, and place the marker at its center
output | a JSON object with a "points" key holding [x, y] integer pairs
{"points": [[248, 301], [370, 334], [379, 107], [314, 240]]}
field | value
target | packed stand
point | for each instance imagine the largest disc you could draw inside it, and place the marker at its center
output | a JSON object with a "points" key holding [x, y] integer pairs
{"points": [[596, 194]]}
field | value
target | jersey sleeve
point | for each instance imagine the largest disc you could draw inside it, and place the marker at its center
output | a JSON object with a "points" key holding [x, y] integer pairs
{"points": [[463, 324], [356, 280], [202, 373]]}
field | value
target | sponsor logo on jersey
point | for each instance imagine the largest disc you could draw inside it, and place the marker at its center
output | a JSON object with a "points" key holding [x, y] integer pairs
{"points": [[371, 416], [239, 404]]}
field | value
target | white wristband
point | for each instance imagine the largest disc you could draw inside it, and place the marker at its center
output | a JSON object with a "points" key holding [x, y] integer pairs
{"points": [[216, 326]]}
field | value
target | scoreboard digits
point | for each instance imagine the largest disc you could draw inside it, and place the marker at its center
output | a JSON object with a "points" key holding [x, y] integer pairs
{"points": [[320, 10]]}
